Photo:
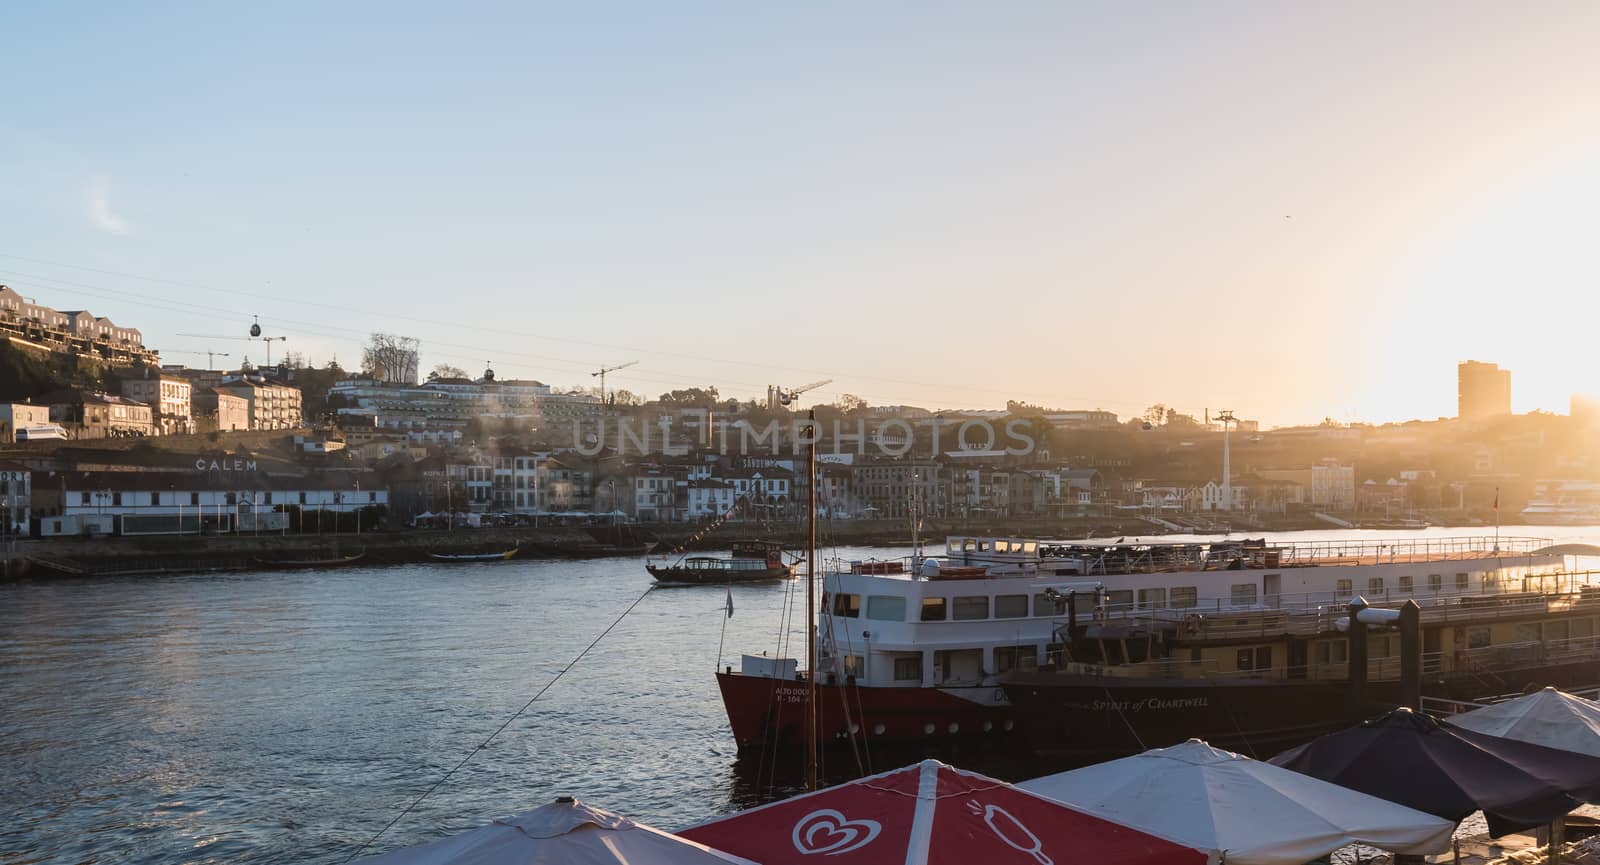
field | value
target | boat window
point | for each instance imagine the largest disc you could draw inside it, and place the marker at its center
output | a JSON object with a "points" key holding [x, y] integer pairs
{"points": [[1244, 594], [1375, 585], [1332, 652], [953, 546], [933, 609], [1010, 606], [1582, 628], [1029, 547], [908, 668], [1002, 546], [1344, 590], [848, 606], [1477, 638], [1184, 597], [886, 608], [1489, 580], [1121, 599], [1556, 631], [1382, 646], [983, 546], [1435, 582], [969, 607], [1528, 632], [853, 666], [1008, 658], [969, 545], [1044, 606], [1462, 582], [1149, 598], [1405, 584], [1258, 658]]}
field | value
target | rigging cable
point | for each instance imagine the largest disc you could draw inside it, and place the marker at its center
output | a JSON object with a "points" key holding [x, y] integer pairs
{"points": [[501, 729]]}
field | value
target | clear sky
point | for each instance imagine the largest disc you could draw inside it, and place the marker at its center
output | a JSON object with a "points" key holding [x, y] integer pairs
{"points": [[1290, 210]]}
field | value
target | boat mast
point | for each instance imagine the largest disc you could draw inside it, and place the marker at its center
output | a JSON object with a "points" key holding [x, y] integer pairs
{"points": [[812, 613]]}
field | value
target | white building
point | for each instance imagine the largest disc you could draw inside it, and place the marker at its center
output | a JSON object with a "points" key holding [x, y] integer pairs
{"points": [[16, 499], [1333, 486], [171, 398], [17, 415], [218, 495], [709, 498], [445, 406], [270, 405]]}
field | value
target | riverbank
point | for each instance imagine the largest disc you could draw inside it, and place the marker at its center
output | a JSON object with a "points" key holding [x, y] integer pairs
{"points": [[125, 556]]}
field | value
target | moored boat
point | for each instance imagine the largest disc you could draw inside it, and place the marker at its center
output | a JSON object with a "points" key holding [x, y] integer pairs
{"points": [[473, 557], [748, 562], [297, 564], [928, 650]]}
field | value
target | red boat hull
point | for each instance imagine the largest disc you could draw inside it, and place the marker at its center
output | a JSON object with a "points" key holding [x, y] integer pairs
{"points": [[766, 712]]}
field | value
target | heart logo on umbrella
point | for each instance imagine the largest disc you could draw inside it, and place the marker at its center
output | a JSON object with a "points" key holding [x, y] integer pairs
{"points": [[830, 833]]}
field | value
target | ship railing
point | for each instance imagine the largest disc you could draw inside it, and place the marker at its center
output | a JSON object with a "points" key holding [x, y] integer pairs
{"points": [[1319, 612], [1235, 555]]}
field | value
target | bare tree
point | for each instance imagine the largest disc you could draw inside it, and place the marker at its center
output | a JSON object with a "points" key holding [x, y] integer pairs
{"points": [[445, 370], [390, 358]]}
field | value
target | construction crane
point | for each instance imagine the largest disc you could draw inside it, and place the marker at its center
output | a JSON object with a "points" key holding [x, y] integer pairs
{"points": [[602, 373], [211, 356], [777, 397], [255, 334]]}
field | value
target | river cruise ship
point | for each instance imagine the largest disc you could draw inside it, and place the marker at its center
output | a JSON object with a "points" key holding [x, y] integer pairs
{"points": [[940, 649]]}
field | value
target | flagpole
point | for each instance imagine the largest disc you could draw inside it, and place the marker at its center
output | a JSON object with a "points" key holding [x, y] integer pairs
{"points": [[728, 608], [812, 613]]}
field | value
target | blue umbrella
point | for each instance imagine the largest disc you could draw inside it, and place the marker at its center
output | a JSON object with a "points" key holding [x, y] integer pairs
{"points": [[1411, 759]]}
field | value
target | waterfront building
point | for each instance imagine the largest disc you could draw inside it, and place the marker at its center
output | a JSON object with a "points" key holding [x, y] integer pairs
{"points": [[1330, 483], [16, 498], [76, 332], [89, 414], [708, 498], [219, 494], [1483, 390], [18, 415], [887, 487], [170, 398]]}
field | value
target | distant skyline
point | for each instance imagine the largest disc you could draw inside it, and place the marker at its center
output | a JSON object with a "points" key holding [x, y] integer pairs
{"points": [[1286, 210]]}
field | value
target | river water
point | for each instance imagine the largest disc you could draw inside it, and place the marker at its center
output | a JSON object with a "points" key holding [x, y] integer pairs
{"points": [[287, 716]]}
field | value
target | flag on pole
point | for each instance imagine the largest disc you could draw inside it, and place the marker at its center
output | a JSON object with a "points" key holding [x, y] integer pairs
{"points": [[1497, 500], [730, 602]]}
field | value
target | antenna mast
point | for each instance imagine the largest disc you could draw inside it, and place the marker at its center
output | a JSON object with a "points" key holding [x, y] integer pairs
{"points": [[1226, 417]]}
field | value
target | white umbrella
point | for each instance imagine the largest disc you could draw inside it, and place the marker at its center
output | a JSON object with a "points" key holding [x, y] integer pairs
{"points": [[1255, 812], [1551, 718], [565, 832]]}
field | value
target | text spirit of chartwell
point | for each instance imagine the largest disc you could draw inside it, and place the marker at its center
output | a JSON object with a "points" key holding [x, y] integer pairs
{"points": [[237, 464]]}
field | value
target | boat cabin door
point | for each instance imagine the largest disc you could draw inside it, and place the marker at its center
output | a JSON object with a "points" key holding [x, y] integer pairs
{"points": [[1272, 589]]}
